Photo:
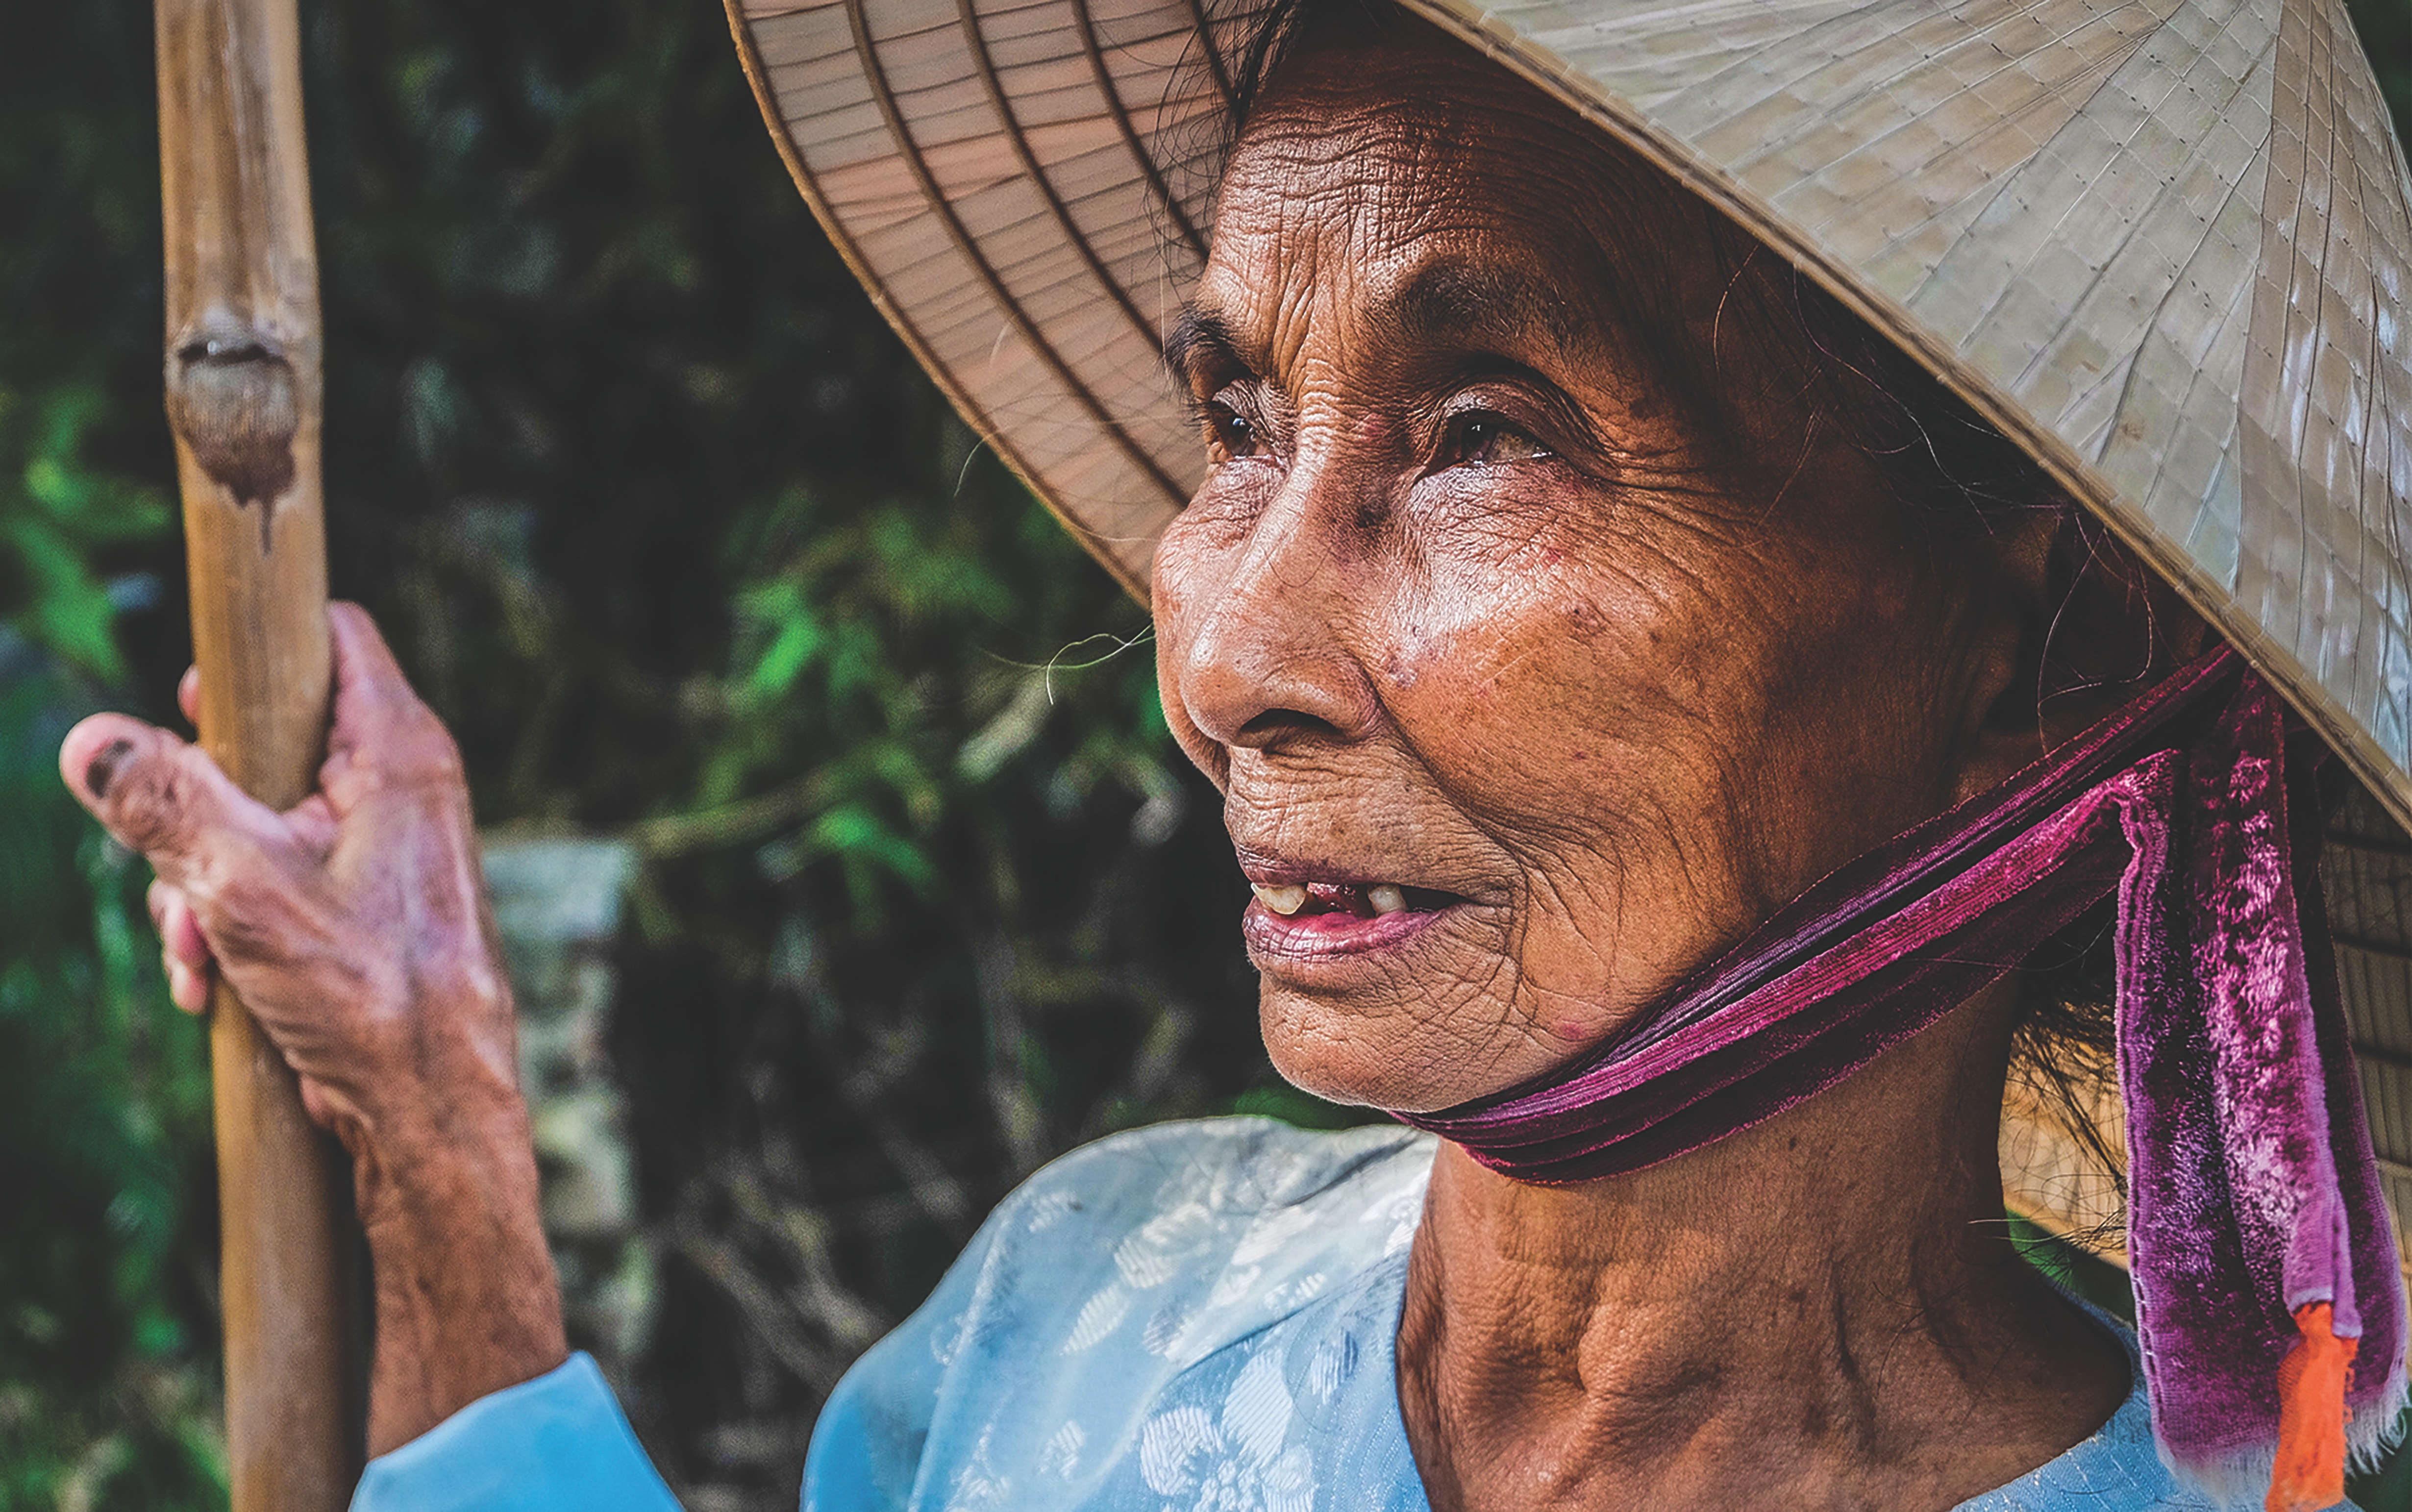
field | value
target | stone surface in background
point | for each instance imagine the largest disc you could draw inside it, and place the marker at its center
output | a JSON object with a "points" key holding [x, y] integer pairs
{"points": [[557, 902]]}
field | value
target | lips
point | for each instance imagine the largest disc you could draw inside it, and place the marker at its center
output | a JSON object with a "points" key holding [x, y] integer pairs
{"points": [[1310, 918]]}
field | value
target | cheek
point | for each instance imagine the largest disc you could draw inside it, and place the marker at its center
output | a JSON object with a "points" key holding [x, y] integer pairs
{"points": [[1632, 720], [1530, 686]]}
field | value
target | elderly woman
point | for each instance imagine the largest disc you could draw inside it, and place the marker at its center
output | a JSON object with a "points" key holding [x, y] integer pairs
{"points": [[1679, 751]]}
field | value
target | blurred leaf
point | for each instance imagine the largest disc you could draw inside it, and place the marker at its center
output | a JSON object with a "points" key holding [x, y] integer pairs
{"points": [[57, 511]]}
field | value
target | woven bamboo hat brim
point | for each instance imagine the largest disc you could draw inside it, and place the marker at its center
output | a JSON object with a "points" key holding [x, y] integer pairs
{"points": [[2165, 245]]}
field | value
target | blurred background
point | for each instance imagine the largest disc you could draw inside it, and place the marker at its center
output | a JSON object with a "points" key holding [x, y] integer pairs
{"points": [[846, 870]]}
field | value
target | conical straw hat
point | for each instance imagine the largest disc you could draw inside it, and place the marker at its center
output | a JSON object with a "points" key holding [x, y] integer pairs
{"points": [[2165, 245]]}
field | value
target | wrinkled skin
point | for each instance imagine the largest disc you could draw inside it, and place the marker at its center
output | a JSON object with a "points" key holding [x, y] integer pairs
{"points": [[1461, 609], [1457, 609], [357, 931]]}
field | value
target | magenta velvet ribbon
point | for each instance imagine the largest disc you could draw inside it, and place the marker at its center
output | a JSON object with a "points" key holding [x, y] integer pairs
{"points": [[2252, 1186]]}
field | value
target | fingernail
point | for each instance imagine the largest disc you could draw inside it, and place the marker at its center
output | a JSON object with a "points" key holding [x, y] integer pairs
{"points": [[104, 765]]}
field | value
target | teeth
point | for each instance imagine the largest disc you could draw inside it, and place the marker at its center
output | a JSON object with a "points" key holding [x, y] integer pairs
{"points": [[1283, 900], [1386, 898]]}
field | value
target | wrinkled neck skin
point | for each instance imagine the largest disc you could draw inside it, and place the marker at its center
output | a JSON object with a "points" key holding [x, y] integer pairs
{"points": [[1529, 691], [1818, 1313]]}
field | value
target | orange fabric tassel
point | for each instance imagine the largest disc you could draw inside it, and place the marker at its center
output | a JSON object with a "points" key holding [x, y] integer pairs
{"points": [[2309, 1475]]}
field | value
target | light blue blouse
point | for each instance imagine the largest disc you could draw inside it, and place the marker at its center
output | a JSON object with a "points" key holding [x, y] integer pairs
{"points": [[1191, 1315]]}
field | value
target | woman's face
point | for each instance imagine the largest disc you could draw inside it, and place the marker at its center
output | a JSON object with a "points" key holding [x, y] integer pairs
{"points": [[1520, 706]]}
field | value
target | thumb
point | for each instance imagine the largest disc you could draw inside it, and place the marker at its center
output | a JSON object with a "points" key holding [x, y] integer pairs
{"points": [[164, 797]]}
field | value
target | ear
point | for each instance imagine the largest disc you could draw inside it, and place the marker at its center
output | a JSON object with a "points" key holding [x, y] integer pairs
{"points": [[2116, 629], [2072, 626], [2011, 622]]}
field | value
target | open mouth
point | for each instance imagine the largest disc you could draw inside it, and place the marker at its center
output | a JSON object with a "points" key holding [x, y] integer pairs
{"points": [[1303, 922], [1357, 900]]}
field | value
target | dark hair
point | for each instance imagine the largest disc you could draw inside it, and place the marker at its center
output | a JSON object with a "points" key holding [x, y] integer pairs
{"points": [[1952, 471]]}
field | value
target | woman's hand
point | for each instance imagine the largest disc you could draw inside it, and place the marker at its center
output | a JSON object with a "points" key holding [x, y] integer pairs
{"points": [[355, 929]]}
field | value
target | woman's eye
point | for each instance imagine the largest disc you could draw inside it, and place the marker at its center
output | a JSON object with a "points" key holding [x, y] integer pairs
{"points": [[1232, 430], [1484, 439]]}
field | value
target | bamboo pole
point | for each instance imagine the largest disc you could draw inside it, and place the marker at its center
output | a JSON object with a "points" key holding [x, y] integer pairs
{"points": [[243, 398]]}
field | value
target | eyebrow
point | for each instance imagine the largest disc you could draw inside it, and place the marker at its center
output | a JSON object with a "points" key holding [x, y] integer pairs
{"points": [[1200, 337], [1445, 304], [1457, 302]]}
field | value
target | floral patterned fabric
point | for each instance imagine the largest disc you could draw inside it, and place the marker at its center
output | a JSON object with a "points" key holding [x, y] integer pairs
{"points": [[1194, 1318], [1197, 1315], [1201, 1317]]}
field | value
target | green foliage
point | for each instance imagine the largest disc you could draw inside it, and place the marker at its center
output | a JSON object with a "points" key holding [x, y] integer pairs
{"points": [[107, 1371], [672, 531], [667, 527], [935, 908], [57, 516], [858, 648], [104, 1385], [84, 470]]}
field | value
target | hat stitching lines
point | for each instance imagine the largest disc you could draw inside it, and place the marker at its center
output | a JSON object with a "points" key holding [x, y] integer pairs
{"points": [[968, 11], [2308, 348], [1213, 53], [969, 247], [1108, 87], [783, 131]]}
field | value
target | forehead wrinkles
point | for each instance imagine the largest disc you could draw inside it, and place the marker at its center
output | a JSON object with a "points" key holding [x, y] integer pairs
{"points": [[1314, 206], [1415, 206]]}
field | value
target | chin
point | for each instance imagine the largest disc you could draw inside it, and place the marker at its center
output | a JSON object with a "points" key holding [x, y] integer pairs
{"points": [[1362, 1060]]}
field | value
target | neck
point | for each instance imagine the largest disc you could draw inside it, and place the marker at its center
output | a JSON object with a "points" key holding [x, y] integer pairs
{"points": [[1823, 1310]]}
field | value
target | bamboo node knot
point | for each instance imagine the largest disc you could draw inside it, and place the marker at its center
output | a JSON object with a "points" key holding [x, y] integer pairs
{"points": [[233, 400]]}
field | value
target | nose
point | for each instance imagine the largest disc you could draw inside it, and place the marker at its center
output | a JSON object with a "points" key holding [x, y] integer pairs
{"points": [[1267, 653]]}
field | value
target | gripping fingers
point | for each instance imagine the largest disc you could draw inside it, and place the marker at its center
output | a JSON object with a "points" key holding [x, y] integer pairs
{"points": [[167, 800], [188, 987], [183, 949], [383, 735], [162, 797], [211, 843]]}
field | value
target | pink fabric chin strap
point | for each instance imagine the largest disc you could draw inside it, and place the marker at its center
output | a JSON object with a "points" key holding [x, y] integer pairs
{"points": [[2253, 1193]]}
